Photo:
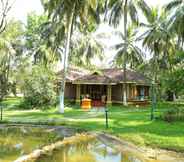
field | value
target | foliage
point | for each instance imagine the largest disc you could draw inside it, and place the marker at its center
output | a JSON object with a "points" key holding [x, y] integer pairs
{"points": [[134, 55], [173, 81], [175, 10], [174, 114], [10, 49], [85, 49], [35, 35], [132, 7], [38, 87]]}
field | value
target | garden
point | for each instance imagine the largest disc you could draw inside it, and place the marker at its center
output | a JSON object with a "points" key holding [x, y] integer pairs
{"points": [[94, 81]]}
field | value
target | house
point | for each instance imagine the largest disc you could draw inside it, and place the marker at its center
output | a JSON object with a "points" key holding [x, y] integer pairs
{"points": [[108, 83]]}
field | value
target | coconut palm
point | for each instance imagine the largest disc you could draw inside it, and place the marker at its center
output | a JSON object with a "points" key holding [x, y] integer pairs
{"points": [[126, 9], [134, 53], [157, 40], [69, 12], [85, 48], [176, 19]]}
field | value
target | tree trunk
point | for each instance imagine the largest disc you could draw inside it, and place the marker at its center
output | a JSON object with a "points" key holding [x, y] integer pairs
{"points": [[125, 56], [174, 96], [65, 60], [154, 91], [154, 100]]}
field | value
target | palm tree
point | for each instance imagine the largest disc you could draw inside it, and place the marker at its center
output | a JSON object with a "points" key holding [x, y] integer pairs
{"points": [[134, 53], [85, 48], [68, 12], [127, 8], [157, 40], [176, 19]]}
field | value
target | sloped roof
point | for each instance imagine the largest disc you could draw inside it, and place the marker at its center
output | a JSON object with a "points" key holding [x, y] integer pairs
{"points": [[131, 76], [73, 73], [95, 78], [106, 76]]}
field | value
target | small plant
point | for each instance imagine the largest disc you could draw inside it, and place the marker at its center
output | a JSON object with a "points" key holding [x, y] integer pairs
{"points": [[174, 114]]}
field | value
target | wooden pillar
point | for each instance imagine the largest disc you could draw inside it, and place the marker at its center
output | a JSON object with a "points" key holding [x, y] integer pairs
{"points": [[128, 91], [78, 89], [135, 92], [131, 92], [109, 94]]}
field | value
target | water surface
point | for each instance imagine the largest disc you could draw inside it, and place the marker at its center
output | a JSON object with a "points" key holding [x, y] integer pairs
{"points": [[15, 142], [88, 152]]}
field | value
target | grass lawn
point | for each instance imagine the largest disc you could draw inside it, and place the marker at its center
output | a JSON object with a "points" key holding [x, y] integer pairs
{"points": [[130, 123]]}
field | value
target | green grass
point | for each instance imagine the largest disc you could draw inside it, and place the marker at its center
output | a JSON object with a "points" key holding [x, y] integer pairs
{"points": [[130, 123]]}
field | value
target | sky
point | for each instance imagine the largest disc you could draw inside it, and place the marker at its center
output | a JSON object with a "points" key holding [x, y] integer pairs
{"points": [[22, 7]]}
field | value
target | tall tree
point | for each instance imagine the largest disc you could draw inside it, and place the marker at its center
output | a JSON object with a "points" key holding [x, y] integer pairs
{"points": [[129, 9], [134, 53], [157, 40], [37, 31], [68, 12], [86, 48]]}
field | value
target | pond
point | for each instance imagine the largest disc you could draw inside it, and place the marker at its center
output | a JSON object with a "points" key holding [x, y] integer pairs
{"points": [[22, 141], [94, 151], [15, 142]]}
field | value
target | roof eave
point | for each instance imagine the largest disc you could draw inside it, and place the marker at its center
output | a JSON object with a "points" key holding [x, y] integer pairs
{"points": [[93, 83]]}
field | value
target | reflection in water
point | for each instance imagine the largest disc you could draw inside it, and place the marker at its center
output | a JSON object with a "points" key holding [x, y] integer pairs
{"points": [[87, 152], [15, 142]]}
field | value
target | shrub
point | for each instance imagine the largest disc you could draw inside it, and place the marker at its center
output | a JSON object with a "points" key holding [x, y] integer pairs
{"points": [[174, 114], [38, 88]]}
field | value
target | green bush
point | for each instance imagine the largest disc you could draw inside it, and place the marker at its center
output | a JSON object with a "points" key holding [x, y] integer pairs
{"points": [[38, 88], [174, 114]]}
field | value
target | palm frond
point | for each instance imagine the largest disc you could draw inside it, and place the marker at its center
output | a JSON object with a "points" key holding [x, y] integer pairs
{"points": [[133, 12], [116, 14], [145, 9], [173, 4]]}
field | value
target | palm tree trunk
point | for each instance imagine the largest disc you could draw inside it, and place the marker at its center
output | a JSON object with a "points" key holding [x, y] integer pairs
{"points": [[154, 100], [65, 60], [125, 56], [154, 90]]}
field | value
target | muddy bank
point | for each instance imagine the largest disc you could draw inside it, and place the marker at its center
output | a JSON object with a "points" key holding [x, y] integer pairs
{"points": [[151, 155]]}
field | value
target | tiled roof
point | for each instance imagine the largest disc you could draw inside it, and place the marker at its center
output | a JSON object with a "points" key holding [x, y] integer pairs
{"points": [[105, 76]]}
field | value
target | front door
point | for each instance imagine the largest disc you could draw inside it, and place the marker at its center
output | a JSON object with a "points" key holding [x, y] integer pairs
{"points": [[95, 93]]}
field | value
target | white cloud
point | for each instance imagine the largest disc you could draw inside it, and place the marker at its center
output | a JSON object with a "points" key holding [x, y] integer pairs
{"points": [[158, 3], [21, 8]]}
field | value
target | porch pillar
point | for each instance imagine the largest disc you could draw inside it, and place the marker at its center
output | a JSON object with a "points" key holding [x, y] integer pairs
{"points": [[109, 93], [135, 92], [128, 91], [78, 87]]}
